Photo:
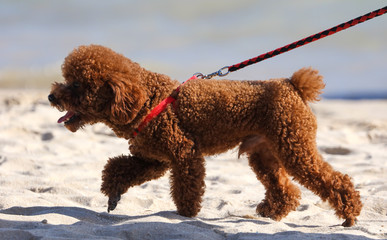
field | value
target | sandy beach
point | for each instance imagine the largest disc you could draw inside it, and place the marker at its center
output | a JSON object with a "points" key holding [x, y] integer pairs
{"points": [[50, 180]]}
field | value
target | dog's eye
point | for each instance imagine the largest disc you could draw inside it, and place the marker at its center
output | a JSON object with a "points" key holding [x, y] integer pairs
{"points": [[76, 84]]}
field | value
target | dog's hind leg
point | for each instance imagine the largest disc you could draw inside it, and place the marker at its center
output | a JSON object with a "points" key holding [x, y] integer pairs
{"points": [[123, 172], [281, 195], [302, 160]]}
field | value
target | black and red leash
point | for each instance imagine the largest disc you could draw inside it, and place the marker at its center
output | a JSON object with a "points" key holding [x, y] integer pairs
{"points": [[222, 72], [226, 70]]}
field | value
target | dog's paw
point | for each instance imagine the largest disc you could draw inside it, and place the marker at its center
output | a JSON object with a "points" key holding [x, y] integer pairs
{"points": [[112, 202], [349, 222], [264, 209]]}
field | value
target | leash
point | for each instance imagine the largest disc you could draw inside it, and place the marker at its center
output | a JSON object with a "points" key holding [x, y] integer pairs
{"points": [[226, 70]]}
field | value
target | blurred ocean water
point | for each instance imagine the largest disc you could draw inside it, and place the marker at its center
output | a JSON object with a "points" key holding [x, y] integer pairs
{"points": [[179, 38]]}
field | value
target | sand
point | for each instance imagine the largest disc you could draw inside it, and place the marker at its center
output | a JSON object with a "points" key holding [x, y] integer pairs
{"points": [[50, 180]]}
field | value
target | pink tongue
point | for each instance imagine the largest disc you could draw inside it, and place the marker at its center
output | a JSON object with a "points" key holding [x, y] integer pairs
{"points": [[66, 117]]}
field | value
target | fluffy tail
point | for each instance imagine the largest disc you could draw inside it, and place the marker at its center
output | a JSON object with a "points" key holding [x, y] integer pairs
{"points": [[309, 84]]}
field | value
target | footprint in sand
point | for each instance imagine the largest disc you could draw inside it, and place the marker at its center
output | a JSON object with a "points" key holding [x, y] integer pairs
{"points": [[336, 150], [303, 207], [222, 204], [236, 191], [44, 190], [47, 136], [3, 159]]}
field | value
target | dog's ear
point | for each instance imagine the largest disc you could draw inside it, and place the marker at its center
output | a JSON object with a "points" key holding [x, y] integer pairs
{"points": [[127, 101]]}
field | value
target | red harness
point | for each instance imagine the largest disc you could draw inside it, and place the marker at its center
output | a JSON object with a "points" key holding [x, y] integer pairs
{"points": [[159, 109]]}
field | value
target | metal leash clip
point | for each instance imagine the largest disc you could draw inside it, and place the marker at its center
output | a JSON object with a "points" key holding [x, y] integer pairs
{"points": [[220, 73]]}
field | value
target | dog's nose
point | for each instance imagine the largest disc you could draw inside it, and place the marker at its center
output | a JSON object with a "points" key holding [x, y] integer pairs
{"points": [[51, 97]]}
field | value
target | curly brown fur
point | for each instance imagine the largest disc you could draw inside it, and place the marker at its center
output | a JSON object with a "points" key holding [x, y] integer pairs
{"points": [[270, 120], [281, 195]]}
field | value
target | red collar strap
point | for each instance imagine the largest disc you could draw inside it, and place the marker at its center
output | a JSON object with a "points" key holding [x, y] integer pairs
{"points": [[159, 108]]}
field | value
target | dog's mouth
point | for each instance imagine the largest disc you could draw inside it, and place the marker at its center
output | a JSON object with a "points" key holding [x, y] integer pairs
{"points": [[68, 118], [71, 120]]}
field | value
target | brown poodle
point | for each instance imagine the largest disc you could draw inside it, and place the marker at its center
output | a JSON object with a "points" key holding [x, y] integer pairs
{"points": [[270, 120]]}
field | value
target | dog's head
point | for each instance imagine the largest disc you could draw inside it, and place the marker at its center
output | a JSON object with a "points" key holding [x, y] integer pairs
{"points": [[100, 86]]}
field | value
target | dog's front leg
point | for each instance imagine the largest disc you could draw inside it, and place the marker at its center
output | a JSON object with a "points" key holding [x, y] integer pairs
{"points": [[187, 184], [123, 172]]}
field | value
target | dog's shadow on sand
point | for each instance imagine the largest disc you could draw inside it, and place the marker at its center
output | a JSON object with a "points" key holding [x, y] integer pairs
{"points": [[96, 225]]}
